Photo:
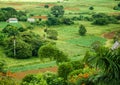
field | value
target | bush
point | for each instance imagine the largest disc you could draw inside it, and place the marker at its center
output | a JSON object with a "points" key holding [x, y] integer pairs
{"points": [[46, 6], [67, 21], [50, 51], [34, 80], [53, 79], [101, 21], [77, 65], [91, 8], [52, 20], [52, 34], [61, 57], [64, 69], [22, 29], [82, 30], [8, 81], [47, 51]]}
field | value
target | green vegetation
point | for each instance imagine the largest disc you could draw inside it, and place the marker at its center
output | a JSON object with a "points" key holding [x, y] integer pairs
{"points": [[73, 35]]}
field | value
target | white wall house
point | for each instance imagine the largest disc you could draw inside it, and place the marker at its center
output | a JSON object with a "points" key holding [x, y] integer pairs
{"points": [[12, 20], [115, 45], [31, 20]]}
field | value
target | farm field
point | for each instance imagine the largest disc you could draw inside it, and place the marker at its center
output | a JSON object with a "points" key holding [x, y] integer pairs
{"points": [[69, 41]]}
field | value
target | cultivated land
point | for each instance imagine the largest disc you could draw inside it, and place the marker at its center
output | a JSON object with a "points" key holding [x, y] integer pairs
{"points": [[69, 40]]}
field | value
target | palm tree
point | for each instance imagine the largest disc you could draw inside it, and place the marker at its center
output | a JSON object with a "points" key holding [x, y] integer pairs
{"points": [[107, 61]]}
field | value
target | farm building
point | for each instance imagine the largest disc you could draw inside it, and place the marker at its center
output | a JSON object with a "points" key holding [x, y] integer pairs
{"points": [[12, 20], [31, 20], [115, 45]]}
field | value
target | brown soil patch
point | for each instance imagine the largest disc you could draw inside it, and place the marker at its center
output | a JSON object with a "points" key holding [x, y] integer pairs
{"points": [[50, 5], [68, 8], [21, 75], [17, 4], [109, 35], [114, 13], [40, 17]]}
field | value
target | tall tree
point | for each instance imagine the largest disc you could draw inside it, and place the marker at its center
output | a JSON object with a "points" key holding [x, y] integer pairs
{"points": [[57, 11], [12, 31]]}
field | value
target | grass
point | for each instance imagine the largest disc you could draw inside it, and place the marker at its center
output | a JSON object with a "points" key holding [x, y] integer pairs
{"points": [[86, 41], [31, 67], [3, 24]]}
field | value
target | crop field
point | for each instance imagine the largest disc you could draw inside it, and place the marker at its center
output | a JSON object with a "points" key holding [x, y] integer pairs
{"points": [[69, 39]]}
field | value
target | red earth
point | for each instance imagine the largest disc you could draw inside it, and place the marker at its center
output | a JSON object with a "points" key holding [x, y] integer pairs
{"points": [[114, 13], [21, 75], [109, 35], [40, 17], [17, 4], [50, 5]]}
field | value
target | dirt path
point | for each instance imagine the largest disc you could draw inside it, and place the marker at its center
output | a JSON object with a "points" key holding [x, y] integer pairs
{"points": [[20, 75]]}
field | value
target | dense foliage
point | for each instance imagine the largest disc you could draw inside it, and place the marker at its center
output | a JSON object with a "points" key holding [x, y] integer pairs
{"points": [[9, 12], [82, 30]]}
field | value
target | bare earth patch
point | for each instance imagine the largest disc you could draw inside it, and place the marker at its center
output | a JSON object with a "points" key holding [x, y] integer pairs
{"points": [[50, 5], [40, 17], [20, 75], [109, 35]]}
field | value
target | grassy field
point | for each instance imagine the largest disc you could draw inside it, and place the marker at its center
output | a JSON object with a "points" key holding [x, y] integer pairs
{"points": [[69, 40]]}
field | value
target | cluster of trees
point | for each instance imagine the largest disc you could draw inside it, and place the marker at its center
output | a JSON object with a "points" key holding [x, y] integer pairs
{"points": [[20, 43], [56, 16], [9, 12], [103, 19]]}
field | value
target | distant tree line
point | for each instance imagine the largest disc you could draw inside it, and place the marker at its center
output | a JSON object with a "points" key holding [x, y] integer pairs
{"points": [[9, 12]]}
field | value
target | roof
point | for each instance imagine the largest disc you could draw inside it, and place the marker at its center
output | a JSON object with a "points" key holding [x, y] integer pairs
{"points": [[31, 19], [13, 19]]}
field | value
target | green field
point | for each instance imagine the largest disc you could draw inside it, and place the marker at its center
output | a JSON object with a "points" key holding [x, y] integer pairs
{"points": [[69, 40]]}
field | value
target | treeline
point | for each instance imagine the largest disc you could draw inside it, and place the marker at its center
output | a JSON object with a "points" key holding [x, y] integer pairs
{"points": [[9, 12]]}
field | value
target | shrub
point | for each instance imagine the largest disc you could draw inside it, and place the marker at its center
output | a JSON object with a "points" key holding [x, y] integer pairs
{"points": [[53, 79], [52, 20], [101, 21], [64, 69], [34, 80], [77, 65], [82, 30], [8, 81], [67, 21], [46, 6], [47, 51], [52, 34], [91, 8]]}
